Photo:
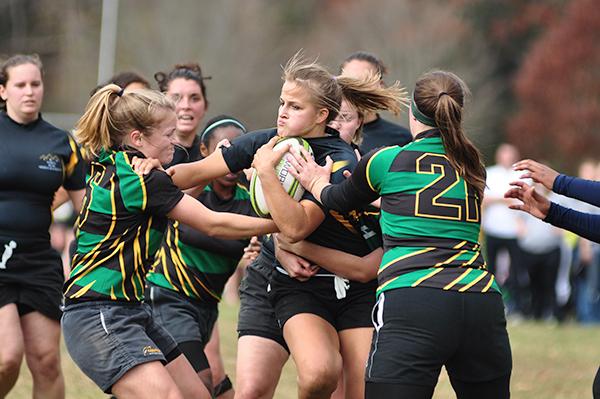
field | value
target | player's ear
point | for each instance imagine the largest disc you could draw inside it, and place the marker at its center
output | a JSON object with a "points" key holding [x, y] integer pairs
{"points": [[322, 115], [204, 150], [135, 138]]}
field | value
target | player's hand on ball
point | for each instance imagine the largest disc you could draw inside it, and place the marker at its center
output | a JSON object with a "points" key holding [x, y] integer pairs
{"points": [[307, 171], [266, 158]]}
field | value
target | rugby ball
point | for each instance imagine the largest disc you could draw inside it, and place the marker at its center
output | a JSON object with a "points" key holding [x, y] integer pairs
{"points": [[289, 182]]}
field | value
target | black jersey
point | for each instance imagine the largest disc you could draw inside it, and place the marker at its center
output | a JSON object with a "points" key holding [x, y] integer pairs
{"points": [[35, 160], [185, 154], [120, 228], [381, 133], [195, 264], [338, 230]]}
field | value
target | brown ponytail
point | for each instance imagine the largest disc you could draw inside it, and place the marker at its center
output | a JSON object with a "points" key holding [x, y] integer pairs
{"points": [[440, 95], [111, 114], [327, 90]]}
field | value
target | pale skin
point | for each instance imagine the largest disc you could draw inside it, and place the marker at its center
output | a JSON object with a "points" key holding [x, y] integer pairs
{"points": [[190, 107], [296, 220], [23, 93], [178, 379]]}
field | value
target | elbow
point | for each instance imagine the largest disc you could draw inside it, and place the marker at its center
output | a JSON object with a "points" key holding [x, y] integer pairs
{"points": [[364, 276], [294, 234]]}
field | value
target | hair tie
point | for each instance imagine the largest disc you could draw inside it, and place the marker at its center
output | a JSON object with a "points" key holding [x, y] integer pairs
{"points": [[220, 123], [441, 94], [120, 92]]}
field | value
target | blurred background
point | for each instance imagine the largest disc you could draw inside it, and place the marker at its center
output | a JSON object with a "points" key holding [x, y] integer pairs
{"points": [[533, 66]]}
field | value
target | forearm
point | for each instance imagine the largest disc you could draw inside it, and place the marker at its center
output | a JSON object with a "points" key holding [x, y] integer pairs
{"points": [[199, 173], [583, 224], [290, 216], [357, 268], [233, 226], [346, 196], [581, 189]]}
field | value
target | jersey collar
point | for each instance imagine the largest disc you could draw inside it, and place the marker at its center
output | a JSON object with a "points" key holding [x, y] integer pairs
{"points": [[428, 134]]}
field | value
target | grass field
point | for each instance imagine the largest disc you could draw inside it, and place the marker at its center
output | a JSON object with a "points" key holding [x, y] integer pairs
{"points": [[549, 362]]}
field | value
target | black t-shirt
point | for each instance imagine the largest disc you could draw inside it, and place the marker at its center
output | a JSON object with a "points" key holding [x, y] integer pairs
{"points": [[337, 230], [186, 154], [382, 133], [35, 160]]}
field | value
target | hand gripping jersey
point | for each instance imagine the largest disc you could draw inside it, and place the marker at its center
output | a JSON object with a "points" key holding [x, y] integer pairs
{"points": [[430, 217], [194, 264], [35, 160], [339, 229], [120, 227]]}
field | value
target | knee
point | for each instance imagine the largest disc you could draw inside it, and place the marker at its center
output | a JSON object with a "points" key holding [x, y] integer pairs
{"points": [[10, 362], [45, 366], [319, 380], [246, 389]]}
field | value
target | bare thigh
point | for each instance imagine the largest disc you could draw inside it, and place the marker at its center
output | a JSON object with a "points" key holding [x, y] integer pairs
{"points": [[259, 364], [355, 345]]}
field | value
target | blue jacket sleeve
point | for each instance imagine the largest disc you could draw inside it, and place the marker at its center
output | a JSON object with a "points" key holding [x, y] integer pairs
{"points": [[585, 225], [581, 189]]}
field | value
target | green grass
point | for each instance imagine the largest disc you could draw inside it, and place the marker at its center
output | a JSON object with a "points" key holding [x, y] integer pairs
{"points": [[549, 361]]}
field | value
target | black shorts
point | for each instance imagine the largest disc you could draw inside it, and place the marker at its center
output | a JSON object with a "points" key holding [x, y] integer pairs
{"points": [[185, 319], [33, 280], [343, 304], [419, 330], [257, 316]]}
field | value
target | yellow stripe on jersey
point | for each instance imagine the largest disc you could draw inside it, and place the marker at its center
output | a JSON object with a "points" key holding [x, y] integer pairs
{"points": [[94, 252], [450, 259], [383, 267], [83, 290], [471, 260], [489, 284], [433, 273], [338, 165], [369, 167], [472, 283], [456, 280], [123, 273], [73, 159]]}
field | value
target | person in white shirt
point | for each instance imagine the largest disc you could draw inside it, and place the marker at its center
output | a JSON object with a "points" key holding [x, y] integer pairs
{"points": [[500, 226]]}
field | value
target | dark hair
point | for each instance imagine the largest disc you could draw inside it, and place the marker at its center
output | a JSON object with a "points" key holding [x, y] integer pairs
{"points": [[16, 60], [190, 71], [218, 122], [371, 58], [440, 96], [327, 90], [123, 79]]}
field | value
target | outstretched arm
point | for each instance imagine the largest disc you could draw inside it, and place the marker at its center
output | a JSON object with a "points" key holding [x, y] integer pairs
{"points": [[583, 224], [219, 224], [353, 193]]}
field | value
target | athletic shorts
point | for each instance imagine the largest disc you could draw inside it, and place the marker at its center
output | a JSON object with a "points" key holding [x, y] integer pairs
{"points": [[33, 280], [107, 339], [342, 303], [419, 330], [185, 319], [257, 316]]}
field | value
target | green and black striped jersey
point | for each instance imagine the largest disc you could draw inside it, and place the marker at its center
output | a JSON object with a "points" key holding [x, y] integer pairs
{"points": [[120, 227], [195, 264], [430, 217]]}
